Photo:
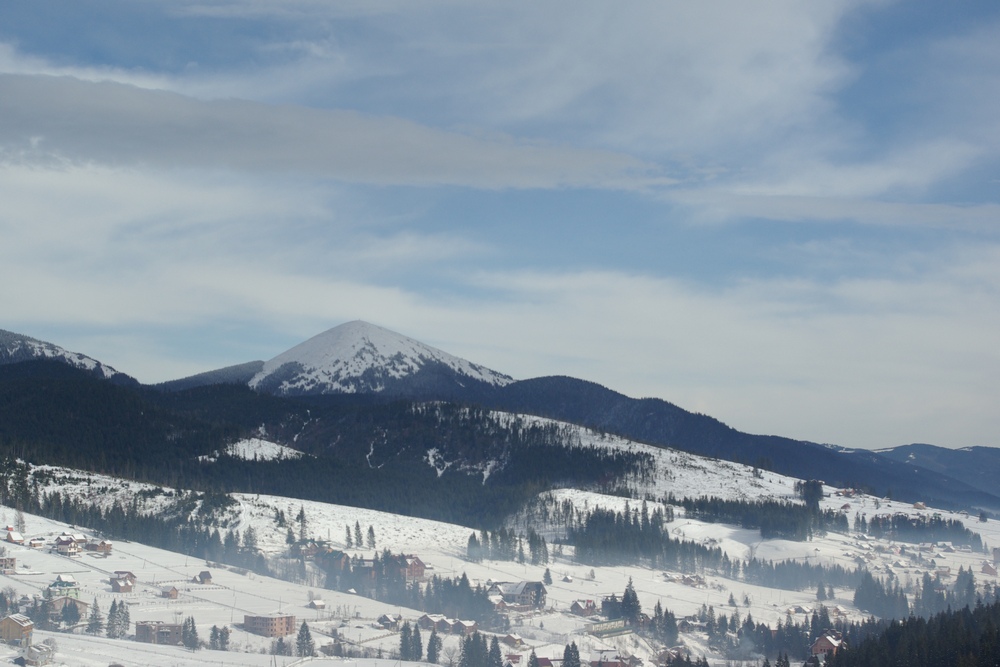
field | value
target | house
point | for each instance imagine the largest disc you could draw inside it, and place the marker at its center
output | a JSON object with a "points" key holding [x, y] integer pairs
{"points": [[827, 643], [125, 574], [204, 577], [431, 621], [16, 629], [169, 592], [157, 632], [65, 545], [513, 640], [606, 659], [8, 564], [412, 568], [14, 537], [583, 607], [464, 627], [271, 625], [989, 569], [316, 604], [36, 543], [39, 654], [524, 594], [65, 584], [102, 547], [122, 585], [56, 605], [389, 622]]}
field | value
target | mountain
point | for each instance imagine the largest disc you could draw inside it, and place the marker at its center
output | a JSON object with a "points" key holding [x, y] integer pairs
{"points": [[238, 374], [977, 466], [658, 422], [358, 357], [15, 348]]}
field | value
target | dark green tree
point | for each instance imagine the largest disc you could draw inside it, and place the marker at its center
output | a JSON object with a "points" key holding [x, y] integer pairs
{"points": [[305, 647]]}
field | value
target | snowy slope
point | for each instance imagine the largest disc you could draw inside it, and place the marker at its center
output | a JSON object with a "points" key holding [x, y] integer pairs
{"points": [[256, 449], [16, 347], [358, 357]]}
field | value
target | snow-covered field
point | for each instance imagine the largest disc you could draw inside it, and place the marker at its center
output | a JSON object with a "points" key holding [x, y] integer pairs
{"points": [[442, 547]]}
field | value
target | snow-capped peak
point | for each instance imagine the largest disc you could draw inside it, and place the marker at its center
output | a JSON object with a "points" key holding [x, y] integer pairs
{"points": [[358, 357], [17, 347]]}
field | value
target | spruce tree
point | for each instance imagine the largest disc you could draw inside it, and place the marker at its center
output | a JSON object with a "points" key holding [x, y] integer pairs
{"points": [[533, 659], [495, 656], [405, 641], [433, 647], [371, 537], [547, 577], [95, 622], [224, 638], [189, 633], [571, 656], [304, 645], [416, 644]]}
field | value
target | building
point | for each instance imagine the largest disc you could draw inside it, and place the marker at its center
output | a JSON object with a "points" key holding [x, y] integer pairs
{"points": [[272, 625], [989, 569], [8, 564], [38, 654], [316, 604], [65, 584], [170, 592], [204, 577], [122, 585], [524, 594], [65, 545], [16, 629], [157, 632], [14, 537], [606, 659], [56, 605], [583, 607], [827, 644], [102, 547]]}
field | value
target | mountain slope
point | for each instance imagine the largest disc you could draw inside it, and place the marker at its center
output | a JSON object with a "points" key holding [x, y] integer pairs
{"points": [[358, 357], [658, 422], [15, 348], [238, 374], [977, 466]]}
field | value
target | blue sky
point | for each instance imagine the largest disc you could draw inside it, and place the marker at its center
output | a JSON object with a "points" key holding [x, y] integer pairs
{"points": [[782, 214]]}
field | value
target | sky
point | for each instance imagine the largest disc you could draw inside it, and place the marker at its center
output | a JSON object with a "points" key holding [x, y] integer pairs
{"points": [[785, 215]]}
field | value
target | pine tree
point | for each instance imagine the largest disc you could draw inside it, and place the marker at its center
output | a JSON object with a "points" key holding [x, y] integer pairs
{"points": [[433, 647], [70, 614], [213, 638], [348, 540], [189, 633], [495, 656], [304, 645], [405, 641], [547, 577], [224, 638], [114, 621], [416, 644], [371, 537], [95, 622], [303, 524], [533, 659], [571, 656], [357, 534]]}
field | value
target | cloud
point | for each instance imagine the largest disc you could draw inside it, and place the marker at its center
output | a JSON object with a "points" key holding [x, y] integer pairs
{"points": [[115, 124]]}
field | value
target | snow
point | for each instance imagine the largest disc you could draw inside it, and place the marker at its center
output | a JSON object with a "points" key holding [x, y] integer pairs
{"points": [[16, 346], [442, 547], [336, 359], [257, 449]]}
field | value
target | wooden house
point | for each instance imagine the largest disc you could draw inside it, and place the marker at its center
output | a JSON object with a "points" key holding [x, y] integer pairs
{"points": [[827, 644], [16, 629], [169, 592], [14, 537], [204, 577], [583, 607]]}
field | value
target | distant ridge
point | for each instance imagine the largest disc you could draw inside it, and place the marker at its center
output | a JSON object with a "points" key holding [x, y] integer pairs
{"points": [[15, 348], [359, 357], [238, 374]]}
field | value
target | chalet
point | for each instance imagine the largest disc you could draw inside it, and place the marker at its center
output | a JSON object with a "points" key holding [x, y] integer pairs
{"points": [[271, 625], [513, 640], [36, 543], [121, 585], [157, 632], [432, 621], [8, 564], [316, 604], [583, 607], [125, 574], [412, 568], [389, 622], [102, 547], [827, 644], [464, 627], [39, 654], [524, 594], [606, 659], [65, 584], [512, 659], [56, 605], [65, 545], [204, 577], [14, 537], [169, 592], [988, 568], [16, 629]]}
